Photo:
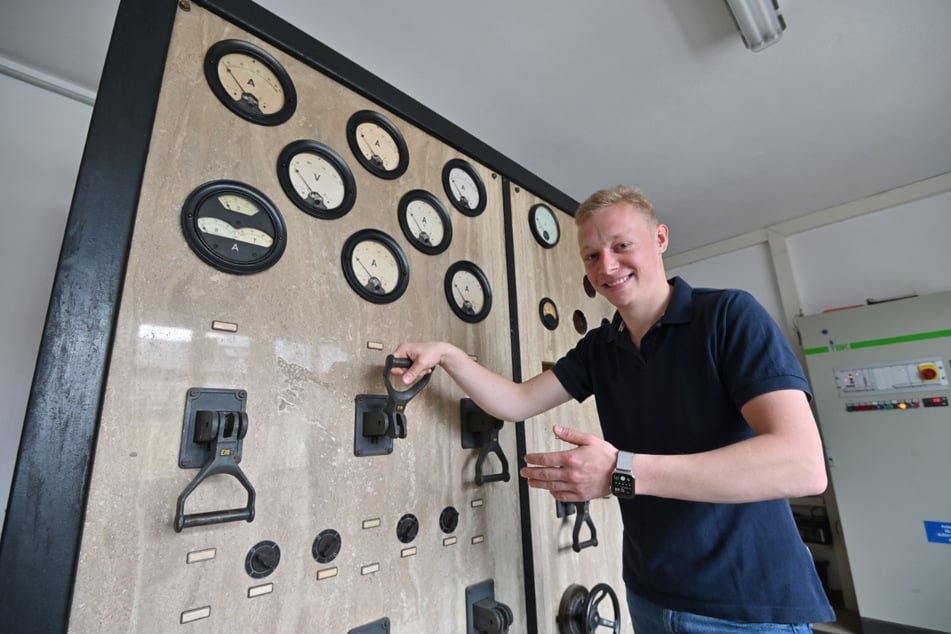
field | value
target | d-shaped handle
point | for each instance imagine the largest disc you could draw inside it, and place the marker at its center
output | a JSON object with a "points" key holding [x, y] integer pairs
{"points": [[223, 430], [583, 518]]}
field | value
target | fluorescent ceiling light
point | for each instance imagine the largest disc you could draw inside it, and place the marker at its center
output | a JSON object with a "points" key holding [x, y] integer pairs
{"points": [[760, 22]]}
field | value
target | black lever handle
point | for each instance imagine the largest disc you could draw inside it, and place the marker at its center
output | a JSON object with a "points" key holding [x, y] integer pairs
{"points": [[583, 518], [396, 400], [223, 430], [491, 445]]}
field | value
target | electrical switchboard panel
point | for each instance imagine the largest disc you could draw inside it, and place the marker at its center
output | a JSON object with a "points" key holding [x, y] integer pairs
{"points": [[881, 392]]}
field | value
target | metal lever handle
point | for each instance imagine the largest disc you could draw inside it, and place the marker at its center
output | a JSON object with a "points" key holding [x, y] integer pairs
{"points": [[491, 445], [224, 430], [396, 400], [583, 518]]}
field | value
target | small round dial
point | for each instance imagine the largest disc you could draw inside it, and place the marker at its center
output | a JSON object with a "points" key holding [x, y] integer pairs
{"points": [[544, 225], [548, 313], [233, 227], [468, 291], [316, 179], [375, 266], [464, 187], [377, 144], [250, 82], [425, 222], [262, 559]]}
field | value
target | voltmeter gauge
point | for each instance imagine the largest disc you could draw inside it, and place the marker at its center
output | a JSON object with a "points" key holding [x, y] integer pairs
{"points": [[316, 179], [468, 291], [375, 266], [233, 227]]}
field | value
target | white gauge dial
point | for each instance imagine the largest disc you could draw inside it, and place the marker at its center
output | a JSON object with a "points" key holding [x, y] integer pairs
{"points": [[250, 81], [316, 180], [463, 188]]}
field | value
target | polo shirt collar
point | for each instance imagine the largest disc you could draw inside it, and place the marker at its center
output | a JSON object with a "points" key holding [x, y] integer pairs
{"points": [[679, 310]]}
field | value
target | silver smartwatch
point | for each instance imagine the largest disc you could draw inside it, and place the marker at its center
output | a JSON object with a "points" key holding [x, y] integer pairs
{"points": [[622, 480]]}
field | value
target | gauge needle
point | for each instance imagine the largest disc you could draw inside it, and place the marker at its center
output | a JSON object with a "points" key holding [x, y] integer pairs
{"points": [[374, 157], [466, 304], [461, 193], [246, 97], [422, 235], [312, 194]]}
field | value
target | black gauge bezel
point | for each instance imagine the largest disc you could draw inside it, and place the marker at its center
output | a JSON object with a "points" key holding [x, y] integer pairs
{"points": [[589, 289], [346, 261], [371, 116], [470, 267], [254, 115], [548, 318], [314, 147], [533, 213], [467, 167], [205, 246], [436, 204]]}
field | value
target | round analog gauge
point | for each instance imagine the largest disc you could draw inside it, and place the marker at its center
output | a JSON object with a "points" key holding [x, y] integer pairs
{"points": [[464, 187], [233, 227], [250, 82], [377, 144], [468, 291], [375, 266], [548, 313], [425, 222], [544, 225], [316, 179]]}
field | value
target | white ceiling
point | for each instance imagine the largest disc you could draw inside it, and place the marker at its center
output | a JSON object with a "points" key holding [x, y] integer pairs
{"points": [[661, 94]]}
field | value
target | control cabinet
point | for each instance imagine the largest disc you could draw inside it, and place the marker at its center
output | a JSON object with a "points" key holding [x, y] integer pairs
{"points": [[880, 377]]}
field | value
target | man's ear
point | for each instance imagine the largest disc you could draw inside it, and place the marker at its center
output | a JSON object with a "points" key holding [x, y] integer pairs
{"points": [[662, 238]]}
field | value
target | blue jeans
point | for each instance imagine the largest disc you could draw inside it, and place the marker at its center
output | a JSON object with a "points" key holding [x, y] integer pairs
{"points": [[650, 618]]}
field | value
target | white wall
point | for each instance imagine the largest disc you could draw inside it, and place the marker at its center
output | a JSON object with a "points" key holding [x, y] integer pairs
{"points": [[893, 252], [42, 135]]}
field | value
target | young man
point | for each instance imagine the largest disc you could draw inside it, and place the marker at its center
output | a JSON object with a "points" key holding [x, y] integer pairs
{"points": [[699, 398]]}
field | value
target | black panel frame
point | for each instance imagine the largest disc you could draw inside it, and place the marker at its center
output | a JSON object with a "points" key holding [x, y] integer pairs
{"points": [[42, 532]]}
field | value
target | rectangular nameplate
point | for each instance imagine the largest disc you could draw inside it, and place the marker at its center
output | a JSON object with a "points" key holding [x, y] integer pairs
{"points": [[189, 616], [326, 573], [449, 541], [372, 523], [369, 569], [261, 590], [200, 555]]}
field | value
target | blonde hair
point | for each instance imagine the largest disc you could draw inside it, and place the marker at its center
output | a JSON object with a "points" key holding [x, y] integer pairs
{"points": [[604, 198]]}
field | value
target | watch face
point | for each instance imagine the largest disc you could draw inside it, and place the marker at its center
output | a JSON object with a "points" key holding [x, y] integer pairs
{"points": [[622, 484], [468, 292], [544, 225], [424, 222], [316, 179], [234, 227], [377, 144], [375, 266], [250, 82], [464, 187]]}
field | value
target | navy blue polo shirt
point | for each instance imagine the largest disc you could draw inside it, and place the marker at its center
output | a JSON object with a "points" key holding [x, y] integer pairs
{"points": [[681, 392]]}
